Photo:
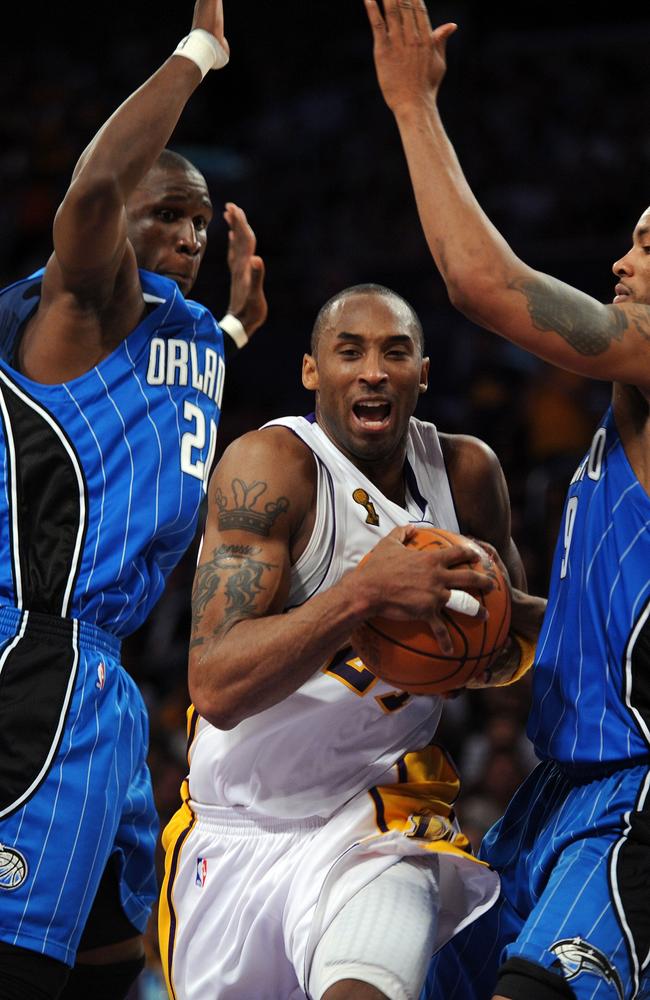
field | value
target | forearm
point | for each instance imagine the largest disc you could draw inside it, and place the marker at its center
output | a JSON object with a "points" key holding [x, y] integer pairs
{"points": [[516, 657], [468, 250], [128, 144], [258, 662], [527, 614], [490, 284]]}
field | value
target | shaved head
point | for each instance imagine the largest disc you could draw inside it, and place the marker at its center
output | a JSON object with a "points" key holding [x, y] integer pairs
{"points": [[325, 314], [169, 160]]}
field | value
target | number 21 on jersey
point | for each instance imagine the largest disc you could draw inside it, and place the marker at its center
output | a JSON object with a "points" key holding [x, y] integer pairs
{"points": [[194, 440]]}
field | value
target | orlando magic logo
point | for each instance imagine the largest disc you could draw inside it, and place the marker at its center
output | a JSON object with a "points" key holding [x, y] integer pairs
{"points": [[577, 956], [13, 868]]}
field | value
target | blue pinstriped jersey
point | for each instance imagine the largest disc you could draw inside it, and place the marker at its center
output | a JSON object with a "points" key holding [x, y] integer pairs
{"points": [[102, 477], [591, 679]]}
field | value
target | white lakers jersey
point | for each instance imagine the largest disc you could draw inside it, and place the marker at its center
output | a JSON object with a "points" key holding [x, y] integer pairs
{"points": [[344, 728]]}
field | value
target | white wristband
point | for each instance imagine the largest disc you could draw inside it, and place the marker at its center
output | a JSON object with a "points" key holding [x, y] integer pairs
{"points": [[203, 50], [235, 329], [463, 602]]}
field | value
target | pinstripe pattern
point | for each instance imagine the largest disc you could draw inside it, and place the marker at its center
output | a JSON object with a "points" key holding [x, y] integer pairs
{"points": [[555, 849], [583, 715], [573, 849], [96, 798], [128, 421], [134, 439]]}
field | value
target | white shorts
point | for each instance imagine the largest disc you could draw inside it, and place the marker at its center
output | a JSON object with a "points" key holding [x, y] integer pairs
{"points": [[246, 899], [384, 935]]}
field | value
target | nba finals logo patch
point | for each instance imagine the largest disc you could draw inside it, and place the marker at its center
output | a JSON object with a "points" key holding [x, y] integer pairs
{"points": [[101, 677], [361, 497], [201, 872], [13, 868]]}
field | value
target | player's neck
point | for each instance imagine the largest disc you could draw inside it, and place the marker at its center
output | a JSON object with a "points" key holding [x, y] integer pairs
{"points": [[388, 477]]}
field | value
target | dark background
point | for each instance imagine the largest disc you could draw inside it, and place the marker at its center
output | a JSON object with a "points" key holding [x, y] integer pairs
{"points": [[549, 109]]}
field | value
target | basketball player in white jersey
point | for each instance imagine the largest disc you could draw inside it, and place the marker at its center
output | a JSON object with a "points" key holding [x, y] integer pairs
{"points": [[316, 851]]}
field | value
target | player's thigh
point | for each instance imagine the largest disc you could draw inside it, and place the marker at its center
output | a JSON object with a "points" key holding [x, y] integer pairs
{"points": [[108, 934], [466, 967], [384, 935], [223, 904], [95, 790], [576, 927]]}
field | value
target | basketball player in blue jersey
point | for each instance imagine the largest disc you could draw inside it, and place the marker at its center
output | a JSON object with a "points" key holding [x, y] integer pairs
{"points": [[573, 849], [110, 394], [316, 852]]}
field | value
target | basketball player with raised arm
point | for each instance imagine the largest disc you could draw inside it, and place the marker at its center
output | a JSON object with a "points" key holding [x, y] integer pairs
{"points": [[110, 394], [316, 851], [573, 849]]}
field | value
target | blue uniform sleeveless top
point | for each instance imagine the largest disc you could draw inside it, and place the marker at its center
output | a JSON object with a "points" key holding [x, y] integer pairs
{"points": [[591, 679], [102, 477]]}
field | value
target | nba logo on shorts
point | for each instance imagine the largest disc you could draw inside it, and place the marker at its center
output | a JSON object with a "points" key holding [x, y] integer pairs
{"points": [[201, 871], [101, 677]]}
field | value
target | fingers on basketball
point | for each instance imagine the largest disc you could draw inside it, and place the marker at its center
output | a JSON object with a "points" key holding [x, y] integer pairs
{"points": [[410, 654]]}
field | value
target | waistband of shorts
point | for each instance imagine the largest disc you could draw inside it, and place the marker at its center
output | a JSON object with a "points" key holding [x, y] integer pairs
{"points": [[581, 773], [13, 621], [233, 821]]}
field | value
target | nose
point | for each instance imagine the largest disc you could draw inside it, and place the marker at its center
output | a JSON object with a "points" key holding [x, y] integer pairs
{"points": [[373, 372], [187, 240], [623, 267]]}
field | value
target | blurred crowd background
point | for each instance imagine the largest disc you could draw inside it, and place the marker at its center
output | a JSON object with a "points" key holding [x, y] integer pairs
{"points": [[548, 110]]}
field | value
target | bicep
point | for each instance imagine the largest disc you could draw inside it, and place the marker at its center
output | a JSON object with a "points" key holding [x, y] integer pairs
{"points": [[244, 567], [238, 576], [569, 328]]}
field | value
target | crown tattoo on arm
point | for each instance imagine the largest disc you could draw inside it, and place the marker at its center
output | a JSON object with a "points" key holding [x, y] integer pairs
{"points": [[242, 514]]}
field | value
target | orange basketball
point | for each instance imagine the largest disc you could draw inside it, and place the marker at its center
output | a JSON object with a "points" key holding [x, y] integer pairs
{"points": [[407, 654]]}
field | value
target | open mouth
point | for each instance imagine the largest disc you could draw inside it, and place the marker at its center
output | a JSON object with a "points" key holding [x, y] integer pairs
{"points": [[372, 414]]}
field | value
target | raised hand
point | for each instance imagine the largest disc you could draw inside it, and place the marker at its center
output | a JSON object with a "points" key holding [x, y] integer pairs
{"points": [[409, 57], [208, 14], [247, 298]]}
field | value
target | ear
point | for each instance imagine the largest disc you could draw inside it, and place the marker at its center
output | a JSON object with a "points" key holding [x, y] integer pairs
{"points": [[424, 376], [310, 373]]}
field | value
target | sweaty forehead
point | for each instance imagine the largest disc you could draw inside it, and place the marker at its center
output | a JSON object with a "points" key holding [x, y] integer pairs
{"points": [[178, 184], [369, 315]]}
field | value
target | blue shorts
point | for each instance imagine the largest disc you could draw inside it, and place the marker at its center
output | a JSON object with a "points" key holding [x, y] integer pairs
{"points": [[574, 861], [74, 784]]}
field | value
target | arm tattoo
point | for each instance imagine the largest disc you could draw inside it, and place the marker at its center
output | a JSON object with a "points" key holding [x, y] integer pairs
{"points": [[585, 325], [240, 572], [242, 514]]}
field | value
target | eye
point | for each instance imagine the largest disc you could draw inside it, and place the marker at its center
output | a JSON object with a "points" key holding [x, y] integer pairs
{"points": [[166, 214], [200, 223]]}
